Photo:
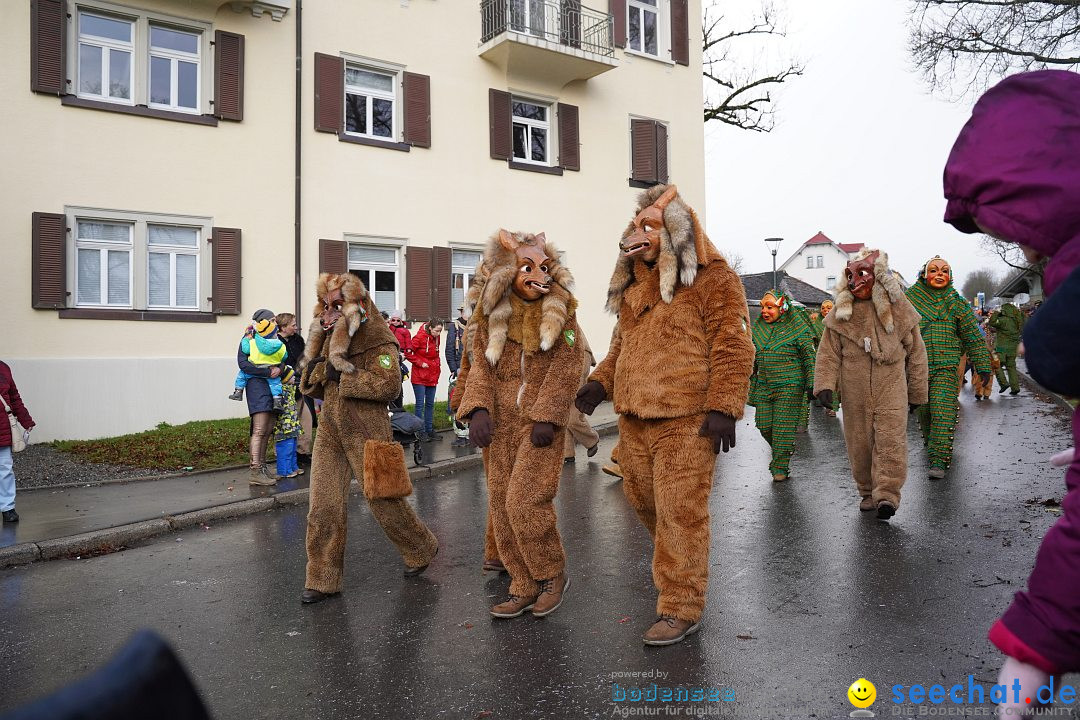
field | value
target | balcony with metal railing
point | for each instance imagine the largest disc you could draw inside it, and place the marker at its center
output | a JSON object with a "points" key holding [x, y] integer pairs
{"points": [[554, 40]]}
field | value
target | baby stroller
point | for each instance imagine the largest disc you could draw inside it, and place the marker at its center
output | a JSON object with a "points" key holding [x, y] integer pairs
{"points": [[407, 428]]}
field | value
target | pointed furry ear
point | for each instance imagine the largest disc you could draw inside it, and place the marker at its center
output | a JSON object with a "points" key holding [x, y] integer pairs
{"points": [[541, 238], [670, 194], [507, 240]]}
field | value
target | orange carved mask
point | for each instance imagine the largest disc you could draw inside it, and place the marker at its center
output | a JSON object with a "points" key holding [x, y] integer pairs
{"points": [[860, 276], [532, 280], [826, 308], [938, 273], [644, 241], [772, 307]]}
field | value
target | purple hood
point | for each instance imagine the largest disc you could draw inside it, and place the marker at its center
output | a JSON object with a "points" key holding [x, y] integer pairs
{"points": [[1015, 168]]}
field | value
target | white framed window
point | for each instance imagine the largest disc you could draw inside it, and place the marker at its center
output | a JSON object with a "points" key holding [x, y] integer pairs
{"points": [[535, 17], [139, 261], [106, 70], [142, 58], [378, 267], [174, 69], [103, 263], [531, 131], [371, 102], [820, 261], [462, 268], [809, 261], [646, 27], [830, 282], [173, 267]]}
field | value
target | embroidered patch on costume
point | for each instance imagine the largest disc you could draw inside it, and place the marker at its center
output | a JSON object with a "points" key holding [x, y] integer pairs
{"points": [[385, 361], [570, 336]]}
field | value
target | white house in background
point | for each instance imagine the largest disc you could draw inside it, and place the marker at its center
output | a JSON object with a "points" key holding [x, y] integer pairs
{"points": [[820, 261]]}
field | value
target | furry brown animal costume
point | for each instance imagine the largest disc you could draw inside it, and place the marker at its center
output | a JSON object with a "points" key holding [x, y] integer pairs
{"points": [[525, 365], [353, 412], [873, 353], [681, 348]]}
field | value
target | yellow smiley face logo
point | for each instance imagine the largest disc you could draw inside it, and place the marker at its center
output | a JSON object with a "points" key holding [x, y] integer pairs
{"points": [[862, 693]]}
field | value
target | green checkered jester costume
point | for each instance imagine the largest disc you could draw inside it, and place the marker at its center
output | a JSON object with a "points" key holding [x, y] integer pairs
{"points": [[949, 329], [783, 378]]}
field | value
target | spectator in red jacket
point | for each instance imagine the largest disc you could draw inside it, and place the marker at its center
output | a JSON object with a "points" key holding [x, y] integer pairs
{"points": [[13, 404], [424, 356]]}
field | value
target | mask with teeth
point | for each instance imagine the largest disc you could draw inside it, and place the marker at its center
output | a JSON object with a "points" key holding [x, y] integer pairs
{"points": [[644, 242], [532, 281]]}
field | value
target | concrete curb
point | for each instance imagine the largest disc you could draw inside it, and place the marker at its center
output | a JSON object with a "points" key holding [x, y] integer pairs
{"points": [[1030, 381], [119, 537]]}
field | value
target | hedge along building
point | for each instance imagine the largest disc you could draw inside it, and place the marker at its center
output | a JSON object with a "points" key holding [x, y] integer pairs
{"points": [[172, 177]]}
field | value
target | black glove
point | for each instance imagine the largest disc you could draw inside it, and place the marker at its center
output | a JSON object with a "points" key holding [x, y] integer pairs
{"points": [[332, 373], [543, 434], [912, 408], [480, 428], [810, 394], [719, 428], [589, 396], [985, 378], [824, 398]]}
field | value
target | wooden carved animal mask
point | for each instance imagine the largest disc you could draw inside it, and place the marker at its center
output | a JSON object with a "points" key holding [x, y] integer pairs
{"points": [[532, 280], [644, 242], [860, 276], [332, 301], [938, 273], [773, 307]]}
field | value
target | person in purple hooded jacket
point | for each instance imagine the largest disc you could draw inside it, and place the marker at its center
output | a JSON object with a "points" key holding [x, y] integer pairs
{"points": [[1013, 174]]}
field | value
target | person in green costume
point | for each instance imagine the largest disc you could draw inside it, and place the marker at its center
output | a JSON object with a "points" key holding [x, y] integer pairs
{"points": [[949, 329], [783, 377], [1008, 324]]}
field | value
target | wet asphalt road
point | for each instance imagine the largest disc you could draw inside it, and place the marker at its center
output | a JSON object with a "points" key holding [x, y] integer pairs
{"points": [[806, 594]]}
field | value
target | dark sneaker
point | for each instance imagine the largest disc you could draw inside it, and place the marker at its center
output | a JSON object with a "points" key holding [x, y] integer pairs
{"points": [[514, 607], [885, 510], [314, 596], [552, 592], [237, 394], [10, 516], [410, 571], [592, 451], [668, 630], [866, 504]]}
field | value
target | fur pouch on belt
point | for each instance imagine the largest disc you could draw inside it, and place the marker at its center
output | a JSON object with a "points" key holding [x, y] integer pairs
{"points": [[385, 476]]}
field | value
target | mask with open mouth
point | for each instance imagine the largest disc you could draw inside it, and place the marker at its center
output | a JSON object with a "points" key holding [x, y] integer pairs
{"points": [[532, 280], [860, 276], [333, 302], [644, 241]]}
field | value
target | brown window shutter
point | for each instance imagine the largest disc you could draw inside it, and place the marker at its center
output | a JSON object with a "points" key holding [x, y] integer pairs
{"points": [[617, 8], [569, 137], [228, 75], [225, 249], [48, 287], [417, 91], [680, 31], [329, 93], [661, 154], [499, 124], [440, 283], [643, 150], [333, 256], [47, 21], [418, 262]]}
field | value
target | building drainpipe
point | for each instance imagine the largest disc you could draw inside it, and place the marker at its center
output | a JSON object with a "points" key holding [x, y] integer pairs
{"points": [[298, 156]]}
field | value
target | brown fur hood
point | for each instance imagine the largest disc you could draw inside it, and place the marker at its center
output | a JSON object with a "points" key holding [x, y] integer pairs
{"points": [[495, 306], [886, 294], [360, 328], [684, 247]]}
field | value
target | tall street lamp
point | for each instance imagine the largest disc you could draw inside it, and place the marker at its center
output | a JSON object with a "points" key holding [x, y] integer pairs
{"points": [[774, 244]]}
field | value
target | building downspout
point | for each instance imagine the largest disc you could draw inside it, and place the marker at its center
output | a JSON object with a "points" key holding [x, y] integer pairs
{"points": [[298, 157]]}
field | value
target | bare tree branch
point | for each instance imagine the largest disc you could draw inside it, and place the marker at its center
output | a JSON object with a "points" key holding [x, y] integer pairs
{"points": [[736, 93]]}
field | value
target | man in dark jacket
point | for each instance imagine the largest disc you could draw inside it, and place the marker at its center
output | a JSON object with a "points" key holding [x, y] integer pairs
{"points": [[455, 342]]}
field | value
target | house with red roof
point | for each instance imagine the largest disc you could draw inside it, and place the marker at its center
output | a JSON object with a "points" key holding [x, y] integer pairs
{"points": [[820, 261]]}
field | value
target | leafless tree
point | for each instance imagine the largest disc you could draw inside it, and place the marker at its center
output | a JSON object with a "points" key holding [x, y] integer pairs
{"points": [[979, 281], [961, 46], [1009, 253], [740, 93], [735, 260]]}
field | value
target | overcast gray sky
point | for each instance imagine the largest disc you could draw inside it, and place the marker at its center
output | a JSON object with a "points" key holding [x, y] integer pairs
{"points": [[857, 153]]}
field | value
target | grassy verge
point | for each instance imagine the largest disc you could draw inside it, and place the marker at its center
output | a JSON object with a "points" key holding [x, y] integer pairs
{"points": [[198, 445]]}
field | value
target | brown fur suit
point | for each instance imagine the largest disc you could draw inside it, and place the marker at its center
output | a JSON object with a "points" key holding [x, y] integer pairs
{"points": [[877, 384], [524, 369], [353, 411], [681, 347]]}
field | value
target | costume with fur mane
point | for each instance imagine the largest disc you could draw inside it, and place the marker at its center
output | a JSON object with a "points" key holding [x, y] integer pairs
{"points": [[523, 369], [354, 429], [873, 353], [681, 348]]}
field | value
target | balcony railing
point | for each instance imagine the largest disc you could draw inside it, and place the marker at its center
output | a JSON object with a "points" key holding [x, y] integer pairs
{"points": [[566, 22]]}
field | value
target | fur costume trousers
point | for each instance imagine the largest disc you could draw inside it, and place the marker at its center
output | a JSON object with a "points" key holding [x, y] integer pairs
{"points": [[937, 418], [667, 478]]}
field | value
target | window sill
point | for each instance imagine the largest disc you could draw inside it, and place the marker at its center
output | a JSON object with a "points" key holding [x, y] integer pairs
{"points": [[647, 56], [151, 315], [76, 101], [388, 144], [545, 169], [642, 184]]}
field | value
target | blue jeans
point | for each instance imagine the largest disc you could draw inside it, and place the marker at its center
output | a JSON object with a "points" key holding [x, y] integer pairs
{"points": [[7, 479], [286, 456], [425, 406]]}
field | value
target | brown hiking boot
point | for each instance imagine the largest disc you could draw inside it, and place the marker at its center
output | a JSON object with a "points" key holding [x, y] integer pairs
{"points": [[494, 566], [514, 607], [551, 596], [779, 477], [867, 503], [668, 630], [262, 476], [613, 470]]}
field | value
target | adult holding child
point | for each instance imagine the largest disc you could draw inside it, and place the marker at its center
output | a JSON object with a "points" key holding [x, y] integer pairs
{"points": [[260, 403]]}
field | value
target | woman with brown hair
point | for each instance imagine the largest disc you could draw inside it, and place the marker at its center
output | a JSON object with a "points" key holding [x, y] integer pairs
{"points": [[426, 365]]}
